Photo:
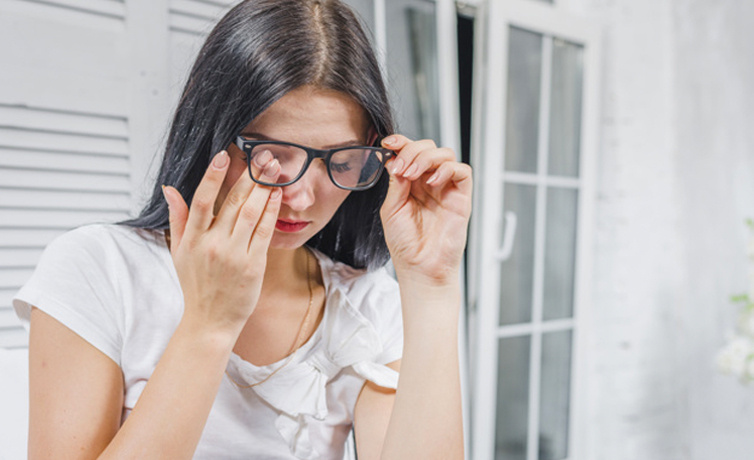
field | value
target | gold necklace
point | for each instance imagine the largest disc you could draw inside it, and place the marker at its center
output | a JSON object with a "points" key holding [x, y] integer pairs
{"points": [[299, 337]]}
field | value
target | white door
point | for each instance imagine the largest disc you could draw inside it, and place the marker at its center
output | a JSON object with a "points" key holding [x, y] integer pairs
{"points": [[534, 155]]}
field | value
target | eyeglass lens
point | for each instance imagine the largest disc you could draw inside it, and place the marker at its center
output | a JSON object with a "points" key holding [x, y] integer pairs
{"points": [[350, 168]]}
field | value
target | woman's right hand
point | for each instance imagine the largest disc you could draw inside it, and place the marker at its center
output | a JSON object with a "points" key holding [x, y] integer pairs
{"points": [[220, 260]]}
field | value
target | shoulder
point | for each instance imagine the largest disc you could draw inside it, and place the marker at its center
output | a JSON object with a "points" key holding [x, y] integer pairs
{"points": [[102, 240], [81, 279], [99, 254], [101, 234], [75, 246]]}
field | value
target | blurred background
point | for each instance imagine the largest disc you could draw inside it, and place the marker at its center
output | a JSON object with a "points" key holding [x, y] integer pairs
{"points": [[613, 151]]}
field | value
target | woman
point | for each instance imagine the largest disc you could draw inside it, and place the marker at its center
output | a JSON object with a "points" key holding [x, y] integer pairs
{"points": [[257, 322]]}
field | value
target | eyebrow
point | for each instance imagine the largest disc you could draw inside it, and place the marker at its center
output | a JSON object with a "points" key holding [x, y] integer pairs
{"points": [[262, 137]]}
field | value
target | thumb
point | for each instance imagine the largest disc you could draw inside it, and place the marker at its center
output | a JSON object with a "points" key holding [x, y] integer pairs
{"points": [[397, 194], [178, 214]]}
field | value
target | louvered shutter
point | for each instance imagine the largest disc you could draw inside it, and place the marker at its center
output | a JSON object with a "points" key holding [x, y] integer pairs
{"points": [[86, 89]]}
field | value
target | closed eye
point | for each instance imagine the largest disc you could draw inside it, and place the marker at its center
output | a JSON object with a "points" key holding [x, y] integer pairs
{"points": [[340, 167]]}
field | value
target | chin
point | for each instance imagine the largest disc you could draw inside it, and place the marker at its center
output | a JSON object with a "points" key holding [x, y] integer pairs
{"points": [[287, 241]]}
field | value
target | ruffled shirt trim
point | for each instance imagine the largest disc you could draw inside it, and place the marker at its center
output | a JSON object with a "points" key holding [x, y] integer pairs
{"points": [[345, 338]]}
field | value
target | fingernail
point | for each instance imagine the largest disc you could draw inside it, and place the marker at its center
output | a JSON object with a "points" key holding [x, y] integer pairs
{"points": [[390, 140], [411, 171], [397, 166], [262, 159], [221, 160], [272, 168], [165, 194], [433, 178]]}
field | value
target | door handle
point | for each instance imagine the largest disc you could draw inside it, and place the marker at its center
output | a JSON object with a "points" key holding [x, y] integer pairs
{"points": [[506, 249]]}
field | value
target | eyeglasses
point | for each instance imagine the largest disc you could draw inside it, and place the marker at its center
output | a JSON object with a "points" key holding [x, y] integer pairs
{"points": [[349, 168]]}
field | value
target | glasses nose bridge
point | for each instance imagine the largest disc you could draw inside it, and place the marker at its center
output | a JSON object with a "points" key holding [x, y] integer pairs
{"points": [[312, 155], [323, 154], [318, 153]]}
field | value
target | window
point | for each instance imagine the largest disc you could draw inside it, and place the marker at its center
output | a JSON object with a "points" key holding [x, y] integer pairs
{"points": [[534, 162]]}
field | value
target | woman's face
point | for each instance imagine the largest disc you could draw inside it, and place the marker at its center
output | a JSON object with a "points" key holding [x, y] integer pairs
{"points": [[314, 117]]}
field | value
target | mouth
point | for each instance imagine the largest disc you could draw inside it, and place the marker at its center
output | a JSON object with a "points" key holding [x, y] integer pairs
{"points": [[290, 226]]}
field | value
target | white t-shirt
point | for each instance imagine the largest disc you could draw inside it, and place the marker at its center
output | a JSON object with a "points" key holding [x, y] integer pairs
{"points": [[117, 288]]}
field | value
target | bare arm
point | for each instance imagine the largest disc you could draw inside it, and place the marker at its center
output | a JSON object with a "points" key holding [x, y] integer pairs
{"points": [[76, 396], [425, 216], [423, 419], [371, 417], [427, 418], [75, 393], [168, 420]]}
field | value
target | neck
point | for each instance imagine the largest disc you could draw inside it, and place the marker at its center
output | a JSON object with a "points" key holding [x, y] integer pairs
{"points": [[286, 266]]}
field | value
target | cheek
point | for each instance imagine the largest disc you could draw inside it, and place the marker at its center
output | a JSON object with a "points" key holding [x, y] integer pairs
{"points": [[333, 199]]}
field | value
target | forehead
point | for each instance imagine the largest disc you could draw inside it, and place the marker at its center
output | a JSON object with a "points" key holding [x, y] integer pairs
{"points": [[313, 116]]}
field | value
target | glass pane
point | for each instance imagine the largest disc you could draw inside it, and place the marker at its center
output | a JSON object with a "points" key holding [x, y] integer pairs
{"points": [[560, 253], [555, 395], [412, 67], [512, 399], [565, 108], [364, 10], [517, 273], [524, 74]]}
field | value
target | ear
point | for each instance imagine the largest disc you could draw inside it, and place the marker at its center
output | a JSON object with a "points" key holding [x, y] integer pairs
{"points": [[371, 136]]}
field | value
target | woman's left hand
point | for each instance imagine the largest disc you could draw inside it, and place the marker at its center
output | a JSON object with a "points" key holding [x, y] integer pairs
{"points": [[426, 212]]}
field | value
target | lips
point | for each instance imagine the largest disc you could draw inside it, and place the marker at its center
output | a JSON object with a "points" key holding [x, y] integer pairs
{"points": [[290, 226]]}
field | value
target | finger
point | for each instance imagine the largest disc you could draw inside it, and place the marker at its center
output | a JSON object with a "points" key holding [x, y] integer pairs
{"points": [[260, 161], [251, 211], [397, 194], [453, 179], [409, 152], [260, 240], [177, 213], [459, 173], [428, 160], [202, 205], [396, 142], [234, 201]]}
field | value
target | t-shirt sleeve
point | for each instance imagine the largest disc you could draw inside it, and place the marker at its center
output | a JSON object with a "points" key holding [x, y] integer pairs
{"points": [[384, 311], [71, 283]]}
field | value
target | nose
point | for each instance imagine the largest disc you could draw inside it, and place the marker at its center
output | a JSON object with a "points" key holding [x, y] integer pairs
{"points": [[299, 196]]}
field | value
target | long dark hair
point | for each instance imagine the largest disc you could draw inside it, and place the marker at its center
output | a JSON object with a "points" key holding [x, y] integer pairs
{"points": [[258, 52]]}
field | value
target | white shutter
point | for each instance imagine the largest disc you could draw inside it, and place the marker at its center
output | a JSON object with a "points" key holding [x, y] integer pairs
{"points": [[64, 131], [86, 89], [196, 17], [190, 21]]}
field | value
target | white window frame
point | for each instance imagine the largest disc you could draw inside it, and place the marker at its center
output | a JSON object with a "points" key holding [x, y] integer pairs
{"points": [[494, 18]]}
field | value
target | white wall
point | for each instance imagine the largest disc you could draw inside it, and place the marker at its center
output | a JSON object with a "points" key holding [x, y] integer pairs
{"points": [[676, 181], [715, 162]]}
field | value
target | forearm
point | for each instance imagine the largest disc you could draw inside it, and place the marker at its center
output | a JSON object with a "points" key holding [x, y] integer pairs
{"points": [[427, 416], [170, 415]]}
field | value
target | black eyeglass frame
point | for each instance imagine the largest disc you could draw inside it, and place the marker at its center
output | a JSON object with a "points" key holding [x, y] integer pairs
{"points": [[247, 145]]}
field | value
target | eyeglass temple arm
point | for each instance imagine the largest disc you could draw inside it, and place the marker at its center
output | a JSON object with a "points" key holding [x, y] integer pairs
{"points": [[239, 142]]}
